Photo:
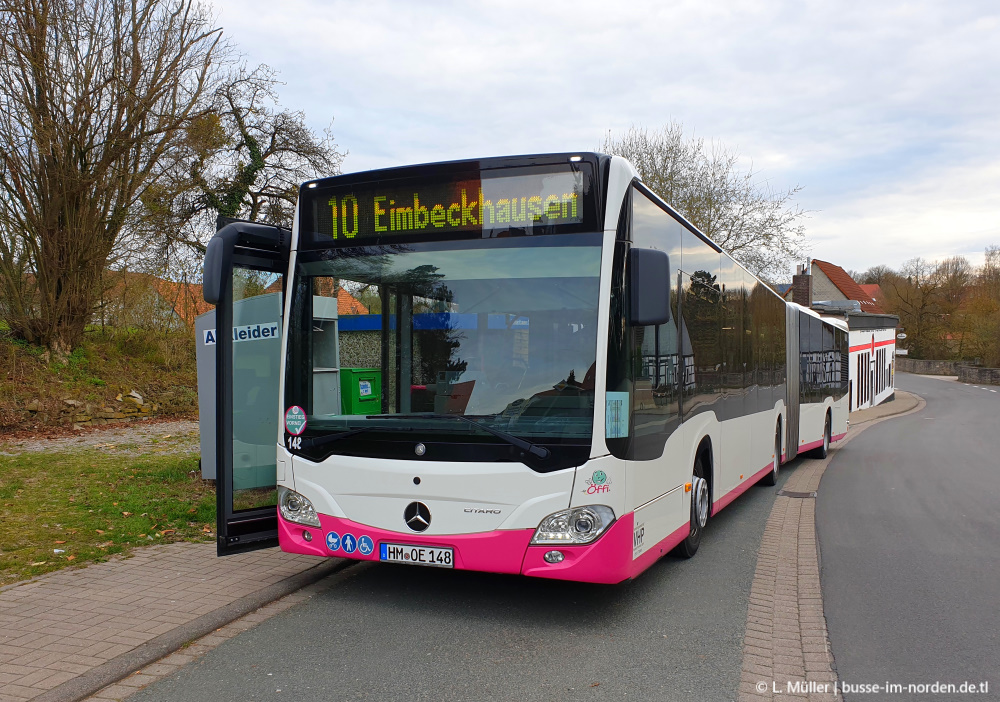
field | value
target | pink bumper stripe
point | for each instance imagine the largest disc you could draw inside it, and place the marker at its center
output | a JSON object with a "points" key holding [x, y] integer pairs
{"points": [[811, 445], [838, 437], [492, 551], [652, 555], [740, 489], [608, 560]]}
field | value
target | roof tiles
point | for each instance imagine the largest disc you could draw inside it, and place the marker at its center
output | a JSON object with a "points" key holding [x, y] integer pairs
{"points": [[851, 290]]}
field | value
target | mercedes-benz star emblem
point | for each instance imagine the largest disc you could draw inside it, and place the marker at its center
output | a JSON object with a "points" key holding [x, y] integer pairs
{"points": [[417, 516]]}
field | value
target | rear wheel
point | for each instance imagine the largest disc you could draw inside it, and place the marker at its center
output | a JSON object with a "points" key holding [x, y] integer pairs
{"points": [[699, 511], [772, 477], [821, 451]]}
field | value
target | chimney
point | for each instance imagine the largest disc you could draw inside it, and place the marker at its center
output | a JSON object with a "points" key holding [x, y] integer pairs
{"points": [[802, 286]]}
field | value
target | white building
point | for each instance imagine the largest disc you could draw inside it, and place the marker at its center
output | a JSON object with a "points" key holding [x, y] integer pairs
{"points": [[829, 290]]}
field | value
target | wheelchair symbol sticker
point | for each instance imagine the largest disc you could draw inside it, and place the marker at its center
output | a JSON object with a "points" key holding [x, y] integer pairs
{"points": [[366, 545]]}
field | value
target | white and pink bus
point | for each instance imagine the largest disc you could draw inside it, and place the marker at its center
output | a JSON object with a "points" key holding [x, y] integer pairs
{"points": [[523, 365]]}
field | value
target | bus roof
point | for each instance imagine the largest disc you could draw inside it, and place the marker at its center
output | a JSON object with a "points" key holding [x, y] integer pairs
{"points": [[443, 167]]}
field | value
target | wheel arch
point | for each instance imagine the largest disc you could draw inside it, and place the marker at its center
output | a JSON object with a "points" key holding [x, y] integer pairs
{"points": [[780, 426], [705, 452]]}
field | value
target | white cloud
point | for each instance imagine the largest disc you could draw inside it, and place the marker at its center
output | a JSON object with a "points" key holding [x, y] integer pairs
{"points": [[862, 104], [955, 211]]}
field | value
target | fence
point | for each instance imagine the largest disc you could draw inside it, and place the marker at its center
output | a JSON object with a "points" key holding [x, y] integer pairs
{"points": [[979, 376], [928, 367], [966, 372]]}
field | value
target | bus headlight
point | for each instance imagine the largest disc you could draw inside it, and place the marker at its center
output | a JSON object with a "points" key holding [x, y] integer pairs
{"points": [[579, 525], [296, 508]]}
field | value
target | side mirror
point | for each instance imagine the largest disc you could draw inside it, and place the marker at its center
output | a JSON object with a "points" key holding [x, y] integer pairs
{"points": [[218, 257], [219, 253], [649, 287]]}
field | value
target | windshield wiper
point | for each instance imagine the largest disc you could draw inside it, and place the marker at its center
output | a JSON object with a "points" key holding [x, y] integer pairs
{"points": [[533, 449], [318, 441]]}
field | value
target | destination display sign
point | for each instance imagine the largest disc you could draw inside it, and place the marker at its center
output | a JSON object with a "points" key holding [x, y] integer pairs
{"points": [[527, 203]]}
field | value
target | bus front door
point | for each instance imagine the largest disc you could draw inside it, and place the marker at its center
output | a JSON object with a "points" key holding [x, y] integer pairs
{"points": [[244, 270]]}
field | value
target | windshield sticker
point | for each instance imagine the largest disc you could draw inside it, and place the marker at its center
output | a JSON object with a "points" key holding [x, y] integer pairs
{"points": [[295, 420], [616, 415], [598, 483], [364, 388]]}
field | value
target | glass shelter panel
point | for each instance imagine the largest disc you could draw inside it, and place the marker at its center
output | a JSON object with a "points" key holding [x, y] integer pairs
{"points": [[256, 367]]}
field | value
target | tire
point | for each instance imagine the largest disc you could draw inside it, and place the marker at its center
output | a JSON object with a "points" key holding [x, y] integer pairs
{"points": [[820, 452], [699, 512], [772, 477]]}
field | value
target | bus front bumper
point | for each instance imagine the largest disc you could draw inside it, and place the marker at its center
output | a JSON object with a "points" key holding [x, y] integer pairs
{"points": [[607, 560]]}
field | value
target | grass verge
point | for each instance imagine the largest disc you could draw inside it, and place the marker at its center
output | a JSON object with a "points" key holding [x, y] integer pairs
{"points": [[81, 506]]}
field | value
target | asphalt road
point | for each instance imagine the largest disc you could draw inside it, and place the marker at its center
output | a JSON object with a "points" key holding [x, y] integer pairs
{"points": [[410, 633], [909, 535]]}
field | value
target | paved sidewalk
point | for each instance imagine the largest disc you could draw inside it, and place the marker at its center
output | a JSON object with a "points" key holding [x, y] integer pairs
{"points": [[786, 648], [904, 402], [65, 635]]}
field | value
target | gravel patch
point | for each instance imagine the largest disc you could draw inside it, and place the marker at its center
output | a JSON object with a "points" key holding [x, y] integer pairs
{"points": [[171, 437]]}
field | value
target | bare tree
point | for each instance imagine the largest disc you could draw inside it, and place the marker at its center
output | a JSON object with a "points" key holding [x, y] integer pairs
{"points": [[984, 311], [93, 96], [876, 275], [955, 276], [736, 208], [914, 294], [245, 157]]}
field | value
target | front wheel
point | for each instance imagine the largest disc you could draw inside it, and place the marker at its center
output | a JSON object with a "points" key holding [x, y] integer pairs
{"points": [[699, 511]]}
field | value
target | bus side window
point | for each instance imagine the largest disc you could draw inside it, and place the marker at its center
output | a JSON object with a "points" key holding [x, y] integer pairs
{"points": [[655, 349]]}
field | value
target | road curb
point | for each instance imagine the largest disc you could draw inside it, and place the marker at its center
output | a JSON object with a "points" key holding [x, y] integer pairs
{"points": [[122, 666], [786, 640]]}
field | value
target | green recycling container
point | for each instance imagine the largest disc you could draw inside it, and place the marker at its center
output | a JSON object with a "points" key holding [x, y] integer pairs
{"points": [[361, 390]]}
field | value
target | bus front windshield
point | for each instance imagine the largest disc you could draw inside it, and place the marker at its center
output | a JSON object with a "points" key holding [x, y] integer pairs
{"points": [[399, 337]]}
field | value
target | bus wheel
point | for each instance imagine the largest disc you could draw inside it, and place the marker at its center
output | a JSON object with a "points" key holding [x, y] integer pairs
{"points": [[699, 511], [772, 477], [821, 451]]}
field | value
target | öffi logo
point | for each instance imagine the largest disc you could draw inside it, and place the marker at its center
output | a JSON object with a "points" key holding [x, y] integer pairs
{"points": [[598, 483]]}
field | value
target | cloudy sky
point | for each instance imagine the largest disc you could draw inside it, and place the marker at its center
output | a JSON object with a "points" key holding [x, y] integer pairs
{"points": [[886, 113]]}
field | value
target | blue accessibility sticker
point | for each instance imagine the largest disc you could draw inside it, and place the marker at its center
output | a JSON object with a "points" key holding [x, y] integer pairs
{"points": [[333, 541], [366, 545], [349, 543]]}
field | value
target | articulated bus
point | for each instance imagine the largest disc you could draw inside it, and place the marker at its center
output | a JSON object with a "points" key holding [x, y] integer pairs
{"points": [[527, 365]]}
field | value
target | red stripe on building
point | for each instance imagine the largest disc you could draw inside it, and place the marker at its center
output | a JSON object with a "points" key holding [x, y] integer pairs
{"points": [[865, 347]]}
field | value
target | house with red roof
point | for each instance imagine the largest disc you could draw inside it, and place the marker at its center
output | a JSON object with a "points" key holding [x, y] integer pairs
{"points": [[874, 291], [831, 282], [871, 332]]}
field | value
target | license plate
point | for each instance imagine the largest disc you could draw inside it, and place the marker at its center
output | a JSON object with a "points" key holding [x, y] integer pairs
{"points": [[417, 555]]}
